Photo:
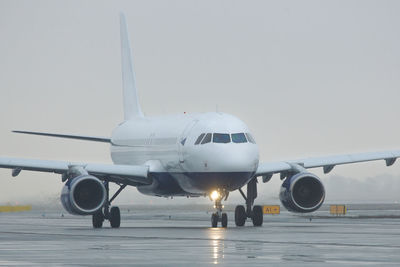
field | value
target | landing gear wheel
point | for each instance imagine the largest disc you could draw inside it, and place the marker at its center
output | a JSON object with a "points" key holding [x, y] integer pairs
{"points": [[257, 216], [115, 217], [240, 215], [98, 219], [224, 220], [214, 220]]}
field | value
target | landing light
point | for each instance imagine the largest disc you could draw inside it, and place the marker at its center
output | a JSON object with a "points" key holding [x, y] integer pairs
{"points": [[215, 195]]}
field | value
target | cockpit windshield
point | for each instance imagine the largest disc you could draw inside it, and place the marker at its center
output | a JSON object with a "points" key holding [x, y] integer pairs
{"points": [[239, 138], [221, 138], [224, 138]]}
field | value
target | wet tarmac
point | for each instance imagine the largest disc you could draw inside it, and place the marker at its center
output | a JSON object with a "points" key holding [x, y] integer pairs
{"points": [[182, 237]]}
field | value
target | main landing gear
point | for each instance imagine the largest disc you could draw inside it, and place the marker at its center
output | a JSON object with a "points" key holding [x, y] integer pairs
{"points": [[219, 216], [253, 212], [112, 214]]}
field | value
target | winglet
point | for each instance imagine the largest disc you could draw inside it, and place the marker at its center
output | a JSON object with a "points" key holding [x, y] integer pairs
{"points": [[131, 102]]}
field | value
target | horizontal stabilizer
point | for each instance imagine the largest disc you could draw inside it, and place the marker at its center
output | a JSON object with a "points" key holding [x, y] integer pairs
{"points": [[79, 137]]}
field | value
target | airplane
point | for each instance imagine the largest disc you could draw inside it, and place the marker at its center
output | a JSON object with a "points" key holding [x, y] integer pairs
{"points": [[190, 155]]}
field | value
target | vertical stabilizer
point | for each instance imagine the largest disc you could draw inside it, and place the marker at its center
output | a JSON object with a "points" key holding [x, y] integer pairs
{"points": [[131, 102]]}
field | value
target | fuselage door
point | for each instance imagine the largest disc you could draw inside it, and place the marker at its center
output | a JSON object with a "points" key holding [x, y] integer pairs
{"points": [[182, 140]]}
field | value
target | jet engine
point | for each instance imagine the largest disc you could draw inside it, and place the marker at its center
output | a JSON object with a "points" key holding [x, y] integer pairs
{"points": [[302, 192], [83, 195]]}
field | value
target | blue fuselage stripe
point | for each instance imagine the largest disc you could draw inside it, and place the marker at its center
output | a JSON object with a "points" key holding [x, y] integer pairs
{"points": [[194, 183]]}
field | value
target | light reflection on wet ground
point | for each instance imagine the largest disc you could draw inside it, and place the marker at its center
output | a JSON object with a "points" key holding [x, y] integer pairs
{"points": [[184, 239]]}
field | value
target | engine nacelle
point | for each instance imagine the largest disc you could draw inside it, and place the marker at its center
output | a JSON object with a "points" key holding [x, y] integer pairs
{"points": [[83, 195], [302, 192]]}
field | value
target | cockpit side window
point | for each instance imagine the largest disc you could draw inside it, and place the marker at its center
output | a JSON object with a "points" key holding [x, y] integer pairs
{"points": [[199, 139], [221, 138], [207, 139], [250, 138], [239, 138]]}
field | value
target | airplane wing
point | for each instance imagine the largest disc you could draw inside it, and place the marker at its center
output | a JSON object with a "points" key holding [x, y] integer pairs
{"points": [[327, 163], [122, 174], [78, 137]]}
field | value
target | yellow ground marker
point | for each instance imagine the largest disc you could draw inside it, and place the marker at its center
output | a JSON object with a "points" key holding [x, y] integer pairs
{"points": [[272, 209], [15, 208], [338, 209]]}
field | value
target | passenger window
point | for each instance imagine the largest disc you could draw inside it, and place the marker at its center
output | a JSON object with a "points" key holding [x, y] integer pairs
{"points": [[199, 139], [207, 139], [221, 138], [239, 138], [250, 138]]}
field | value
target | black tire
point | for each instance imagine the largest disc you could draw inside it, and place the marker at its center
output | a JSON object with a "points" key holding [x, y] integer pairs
{"points": [[257, 216], [240, 215], [115, 217], [98, 219], [214, 220], [224, 220]]}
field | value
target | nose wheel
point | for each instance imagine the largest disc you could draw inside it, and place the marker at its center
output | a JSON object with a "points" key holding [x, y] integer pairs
{"points": [[219, 216]]}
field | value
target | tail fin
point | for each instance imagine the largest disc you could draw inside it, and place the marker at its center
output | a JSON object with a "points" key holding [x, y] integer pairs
{"points": [[131, 102]]}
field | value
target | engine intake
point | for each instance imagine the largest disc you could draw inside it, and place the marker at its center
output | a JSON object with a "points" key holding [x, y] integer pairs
{"points": [[302, 192], [83, 195]]}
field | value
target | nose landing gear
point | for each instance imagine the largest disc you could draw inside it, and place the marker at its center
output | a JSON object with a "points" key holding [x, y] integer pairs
{"points": [[219, 216]]}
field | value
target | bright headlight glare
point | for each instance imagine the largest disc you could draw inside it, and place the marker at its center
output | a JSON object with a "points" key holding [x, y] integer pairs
{"points": [[214, 195]]}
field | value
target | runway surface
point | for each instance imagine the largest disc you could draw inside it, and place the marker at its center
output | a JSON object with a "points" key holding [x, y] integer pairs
{"points": [[181, 236]]}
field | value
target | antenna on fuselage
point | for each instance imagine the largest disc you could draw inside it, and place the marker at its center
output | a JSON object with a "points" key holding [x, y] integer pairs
{"points": [[131, 101]]}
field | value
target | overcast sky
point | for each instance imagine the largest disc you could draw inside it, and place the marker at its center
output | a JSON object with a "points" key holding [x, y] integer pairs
{"points": [[308, 77]]}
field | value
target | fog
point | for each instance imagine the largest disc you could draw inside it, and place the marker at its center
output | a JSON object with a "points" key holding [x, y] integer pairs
{"points": [[309, 78]]}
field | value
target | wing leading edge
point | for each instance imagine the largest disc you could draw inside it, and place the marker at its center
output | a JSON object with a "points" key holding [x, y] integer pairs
{"points": [[327, 162], [78, 137], [124, 174]]}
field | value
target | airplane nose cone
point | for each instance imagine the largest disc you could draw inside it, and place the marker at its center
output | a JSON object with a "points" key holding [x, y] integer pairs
{"points": [[223, 166], [235, 158]]}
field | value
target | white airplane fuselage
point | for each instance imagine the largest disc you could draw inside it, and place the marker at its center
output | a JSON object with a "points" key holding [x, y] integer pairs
{"points": [[178, 166]]}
